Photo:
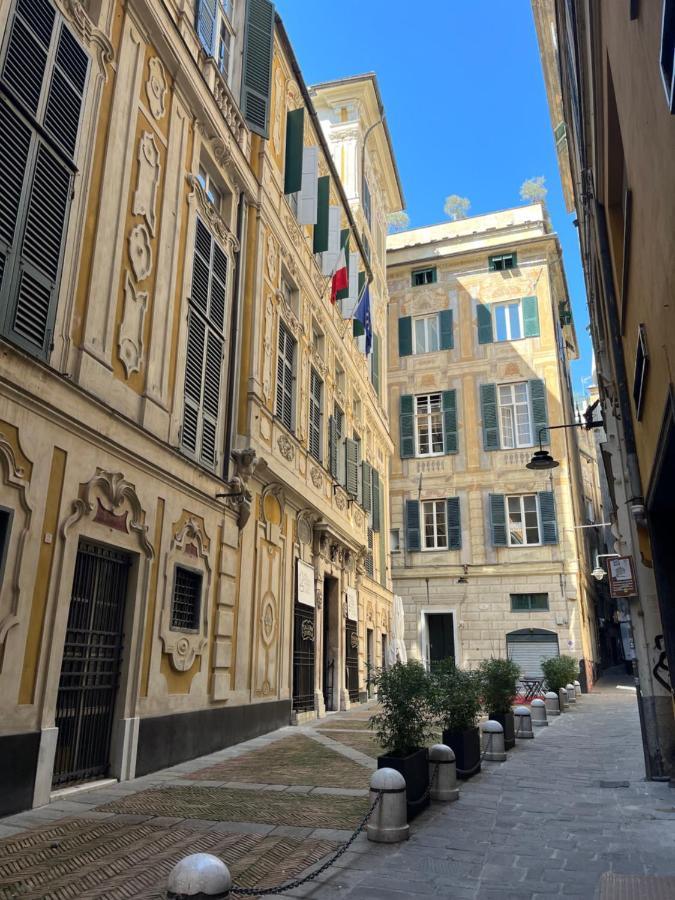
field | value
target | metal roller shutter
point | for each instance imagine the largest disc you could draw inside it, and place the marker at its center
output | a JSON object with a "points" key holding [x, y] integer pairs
{"points": [[529, 650]]}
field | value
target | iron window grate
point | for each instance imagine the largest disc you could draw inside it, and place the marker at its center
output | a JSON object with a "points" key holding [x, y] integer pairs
{"points": [[186, 601]]}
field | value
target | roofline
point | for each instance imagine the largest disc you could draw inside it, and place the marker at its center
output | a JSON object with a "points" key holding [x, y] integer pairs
{"points": [[372, 77], [535, 239], [491, 212]]}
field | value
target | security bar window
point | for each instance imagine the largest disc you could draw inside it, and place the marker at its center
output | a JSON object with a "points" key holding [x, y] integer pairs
{"points": [[429, 425], [285, 406], [315, 411], [523, 520], [426, 334], [529, 602], [186, 599], [508, 321], [514, 416], [435, 525]]}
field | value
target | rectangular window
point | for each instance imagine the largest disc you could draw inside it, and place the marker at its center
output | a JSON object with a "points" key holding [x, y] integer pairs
{"points": [[504, 261], [426, 334], [514, 416], [429, 424], [529, 602], [435, 525], [338, 448], [523, 520], [369, 564], [421, 277], [186, 599], [395, 540], [359, 469], [366, 202], [285, 406], [315, 414], [508, 319]]}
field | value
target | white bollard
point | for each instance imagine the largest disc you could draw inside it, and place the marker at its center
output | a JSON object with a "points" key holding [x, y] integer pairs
{"points": [[388, 824], [571, 693], [577, 689], [523, 722], [552, 702], [562, 697], [538, 713], [443, 774], [493, 741], [200, 875]]}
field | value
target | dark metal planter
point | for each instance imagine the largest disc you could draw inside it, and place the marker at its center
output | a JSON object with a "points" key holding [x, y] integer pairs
{"points": [[466, 747], [415, 770], [508, 724]]}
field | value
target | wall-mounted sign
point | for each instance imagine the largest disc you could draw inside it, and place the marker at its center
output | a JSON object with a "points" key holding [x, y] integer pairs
{"points": [[306, 584], [621, 576], [352, 604]]}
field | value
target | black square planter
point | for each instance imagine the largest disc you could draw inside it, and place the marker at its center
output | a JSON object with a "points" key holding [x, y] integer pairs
{"points": [[466, 747], [507, 723], [415, 770]]}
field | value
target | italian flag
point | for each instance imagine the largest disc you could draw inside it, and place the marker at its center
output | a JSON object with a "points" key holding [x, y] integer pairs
{"points": [[340, 280]]}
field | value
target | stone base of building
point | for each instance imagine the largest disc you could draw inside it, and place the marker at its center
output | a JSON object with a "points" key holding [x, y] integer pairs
{"points": [[18, 765]]}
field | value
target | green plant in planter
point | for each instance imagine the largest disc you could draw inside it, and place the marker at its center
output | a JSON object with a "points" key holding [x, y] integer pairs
{"points": [[456, 696], [498, 684], [559, 671], [405, 722]]}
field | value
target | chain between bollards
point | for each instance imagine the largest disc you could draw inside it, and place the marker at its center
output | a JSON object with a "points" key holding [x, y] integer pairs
{"points": [[482, 757]]}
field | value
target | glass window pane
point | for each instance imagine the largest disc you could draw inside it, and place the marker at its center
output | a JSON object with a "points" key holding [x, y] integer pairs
{"points": [[514, 321], [432, 324], [515, 521], [420, 341], [437, 434], [506, 415], [500, 323], [523, 420], [505, 393], [520, 391]]}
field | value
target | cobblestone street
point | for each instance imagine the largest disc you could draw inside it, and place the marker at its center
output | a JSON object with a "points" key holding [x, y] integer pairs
{"points": [[564, 810]]}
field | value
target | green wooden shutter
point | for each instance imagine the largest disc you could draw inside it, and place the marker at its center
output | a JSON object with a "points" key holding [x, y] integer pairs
{"points": [[454, 524], [547, 519], [366, 486], [376, 499], [357, 327], [405, 336], [295, 127], [406, 425], [484, 319], [206, 25], [488, 406], [375, 372], [539, 410], [383, 549], [498, 519], [530, 316], [256, 77], [450, 421], [351, 465], [211, 402], [412, 525], [320, 241], [332, 447], [27, 51], [445, 329]]}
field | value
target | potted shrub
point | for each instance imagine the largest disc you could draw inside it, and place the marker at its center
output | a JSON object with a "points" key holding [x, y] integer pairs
{"points": [[403, 726], [456, 703], [499, 677], [559, 671]]}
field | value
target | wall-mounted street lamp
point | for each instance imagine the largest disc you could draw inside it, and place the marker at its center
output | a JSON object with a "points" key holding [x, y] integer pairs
{"points": [[598, 572], [542, 459]]}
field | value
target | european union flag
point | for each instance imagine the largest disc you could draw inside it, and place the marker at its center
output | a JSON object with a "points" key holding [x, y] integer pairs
{"points": [[362, 315]]}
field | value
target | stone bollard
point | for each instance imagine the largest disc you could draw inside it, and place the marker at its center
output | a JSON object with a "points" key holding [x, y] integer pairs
{"points": [[552, 702], [199, 877], [388, 824], [523, 720], [538, 713], [493, 741], [577, 689], [571, 693], [444, 784], [562, 698]]}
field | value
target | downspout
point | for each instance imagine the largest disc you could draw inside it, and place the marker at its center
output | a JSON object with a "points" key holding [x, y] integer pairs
{"points": [[234, 348]]}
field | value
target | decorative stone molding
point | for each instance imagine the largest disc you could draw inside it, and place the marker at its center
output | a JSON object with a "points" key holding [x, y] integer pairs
{"points": [[130, 344], [155, 88], [340, 500], [145, 196], [319, 363], [222, 151], [357, 516], [14, 476], [279, 92], [316, 476], [213, 217], [90, 35], [245, 462], [268, 619], [286, 447], [140, 252], [290, 319], [268, 354], [271, 258]]}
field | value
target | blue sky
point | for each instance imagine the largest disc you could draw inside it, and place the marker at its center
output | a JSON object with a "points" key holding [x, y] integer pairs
{"points": [[465, 102]]}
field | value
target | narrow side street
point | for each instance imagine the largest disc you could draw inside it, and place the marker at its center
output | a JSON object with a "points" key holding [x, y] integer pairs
{"points": [[562, 811]]}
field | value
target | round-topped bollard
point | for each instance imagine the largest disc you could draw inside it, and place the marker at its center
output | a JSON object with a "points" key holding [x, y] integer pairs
{"points": [[538, 713], [198, 877], [577, 689], [443, 774], [523, 722], [552, 702], [562, 698], [571, 693], [388, 824], [493, 741]]}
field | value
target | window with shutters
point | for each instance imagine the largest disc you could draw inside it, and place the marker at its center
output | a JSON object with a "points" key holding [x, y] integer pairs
{"points": [[435, 525], [286, 354], [515, 425], [508, 321], [359, 468], [420, 277], [529, 602], [502, 262], [338, 445], [395, 540], [186, 599], [367, 202], [214, 26], [426, 334], [369, 563], [205, 349], [211, 190], [429, 425], [523, 520], [315, 414], [43, 78]]}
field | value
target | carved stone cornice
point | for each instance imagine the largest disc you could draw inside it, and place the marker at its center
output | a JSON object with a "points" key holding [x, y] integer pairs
{"points": [[90, 35]]}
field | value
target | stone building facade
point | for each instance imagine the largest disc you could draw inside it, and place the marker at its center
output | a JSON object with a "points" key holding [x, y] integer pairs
{"points": [[488, 560]]}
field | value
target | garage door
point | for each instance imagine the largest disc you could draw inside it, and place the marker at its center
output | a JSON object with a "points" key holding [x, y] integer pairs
{"points": [[527, 648]]}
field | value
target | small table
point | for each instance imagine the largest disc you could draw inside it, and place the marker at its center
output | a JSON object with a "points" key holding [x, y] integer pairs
{"points": [[532, 687]]}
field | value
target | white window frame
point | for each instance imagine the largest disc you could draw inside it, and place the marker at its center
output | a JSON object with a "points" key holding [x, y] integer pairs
{"points": [[505, 306], [435, 505], [428, 417], [290, 365], [211, 189], [224, 21], [521, 502], [427, 320], [513, 407]]}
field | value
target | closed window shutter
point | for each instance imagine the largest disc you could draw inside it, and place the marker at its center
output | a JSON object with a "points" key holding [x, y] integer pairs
{"points": [[308, 197], [295, 128], [376, 364], [376, 499], [445, 329], [454, 524], [194, 365], [285, 376], [320, 238], [498, 519], [488, 406], [450, 421], [257, 65], [206, 24], [332, 448], [405, 336], [406, 422], [412, 525], [212, 370], [351, 456], [530, 316], [365, 487], [548, 524], [539, 409], [25, 62], [383, 554], [484, 319]]}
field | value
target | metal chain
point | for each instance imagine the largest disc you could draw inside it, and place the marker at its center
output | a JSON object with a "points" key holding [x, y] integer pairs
{"points": [[483, 754], [291, 885], [425, 796]]}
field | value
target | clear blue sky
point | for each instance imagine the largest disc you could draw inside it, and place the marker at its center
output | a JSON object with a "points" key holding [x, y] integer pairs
{"points": [[465, 101]]}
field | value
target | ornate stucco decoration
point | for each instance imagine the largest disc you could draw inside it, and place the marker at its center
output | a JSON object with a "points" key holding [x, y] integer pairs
{"points": [[140, 252], [316, 476], [340, 500], [155, 88], [271, 257], [130, 343], [267, 350], [357, 515], [245, 462], [76, 13], [14, 476], [279, 91], [272, 511], [286, 448], [291, 320], [319, 363], [145, 196], [213, 217], [222, 150]]}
